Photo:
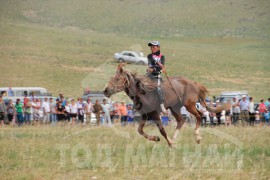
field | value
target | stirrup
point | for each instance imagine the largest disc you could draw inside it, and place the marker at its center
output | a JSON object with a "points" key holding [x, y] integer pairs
{"points": [[163, 109]]}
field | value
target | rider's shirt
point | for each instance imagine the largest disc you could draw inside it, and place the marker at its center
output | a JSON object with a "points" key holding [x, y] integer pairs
{"points": [[152, 62]]}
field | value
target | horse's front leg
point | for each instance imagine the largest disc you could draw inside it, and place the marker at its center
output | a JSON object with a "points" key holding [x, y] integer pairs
{"points": [[141, 132], [162, 130], [180, 122]]}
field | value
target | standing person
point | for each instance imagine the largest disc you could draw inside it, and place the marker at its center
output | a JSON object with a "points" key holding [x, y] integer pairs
{"points": [[235, 111], [123, 112], [67, 111], [89, 109], [10, 111], [61, 95], [39, 110], [116, 109], [27, 110], [130, 114], [156, 63], [52, 112], [62, 98], [267, 103], [2, 110], [32, 96], [218, 114], [205, 113], [35, 111], [73, 111], [106, 111], [81, 111], [262, 109], [112, 114], [228, 115], [60, 110], [244, 108], [211, 115], [97, 110], [257, 117], [19, 111], [10, 92], [46, 111], [251, 112]]}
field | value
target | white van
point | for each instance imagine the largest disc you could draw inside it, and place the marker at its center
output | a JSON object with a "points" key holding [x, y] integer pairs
{"points": [[229, 95], [14, 93]]}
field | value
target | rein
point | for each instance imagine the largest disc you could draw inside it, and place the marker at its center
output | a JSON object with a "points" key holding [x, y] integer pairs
{"points": [[118, 88]]}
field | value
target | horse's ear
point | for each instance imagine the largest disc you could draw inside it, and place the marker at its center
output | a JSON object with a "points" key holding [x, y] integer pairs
{"points": [[120, 67]]}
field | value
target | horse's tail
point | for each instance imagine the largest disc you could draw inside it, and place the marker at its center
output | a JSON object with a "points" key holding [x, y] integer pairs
{"points": [[202, 95]]}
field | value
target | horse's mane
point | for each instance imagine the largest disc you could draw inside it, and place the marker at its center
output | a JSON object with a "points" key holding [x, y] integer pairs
{"points": [[143, 82]]}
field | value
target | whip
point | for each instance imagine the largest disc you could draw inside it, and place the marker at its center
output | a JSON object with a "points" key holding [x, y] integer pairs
{"points": [[172, 85]]}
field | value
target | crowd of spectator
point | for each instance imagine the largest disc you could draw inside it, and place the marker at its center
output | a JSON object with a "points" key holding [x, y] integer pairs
{"points": [[63, 111], [241, 112]]}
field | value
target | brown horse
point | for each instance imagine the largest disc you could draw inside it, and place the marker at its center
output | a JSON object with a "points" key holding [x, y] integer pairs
{"points": [[183, 93]]}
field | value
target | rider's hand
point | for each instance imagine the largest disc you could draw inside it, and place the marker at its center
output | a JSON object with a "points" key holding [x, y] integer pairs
{"points": [[164, 70]]}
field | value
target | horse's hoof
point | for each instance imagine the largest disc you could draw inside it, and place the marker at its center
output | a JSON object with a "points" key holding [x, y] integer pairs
{"points": [[157, 138], [198, 140], [172, 145]]}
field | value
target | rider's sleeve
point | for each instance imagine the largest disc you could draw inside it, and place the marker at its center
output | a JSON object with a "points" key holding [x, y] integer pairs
{"points": [[149, 61], [162, 60]]}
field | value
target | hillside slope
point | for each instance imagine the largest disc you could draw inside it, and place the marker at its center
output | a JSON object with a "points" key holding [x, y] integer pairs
{"points": [[68, 45]]}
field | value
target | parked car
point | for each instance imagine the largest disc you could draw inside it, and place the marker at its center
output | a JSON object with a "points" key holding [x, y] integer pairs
{"points": [[131, 57], [95, 95], [229, 95]]}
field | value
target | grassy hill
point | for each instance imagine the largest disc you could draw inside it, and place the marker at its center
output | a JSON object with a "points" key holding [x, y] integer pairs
{"points": [[68, 45]]}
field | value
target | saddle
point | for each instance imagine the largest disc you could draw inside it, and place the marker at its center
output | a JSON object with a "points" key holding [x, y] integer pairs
{"points": [[146, 84]]}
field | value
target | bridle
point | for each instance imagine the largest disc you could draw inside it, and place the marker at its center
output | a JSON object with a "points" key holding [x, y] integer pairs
{"points": [[118, 88]]}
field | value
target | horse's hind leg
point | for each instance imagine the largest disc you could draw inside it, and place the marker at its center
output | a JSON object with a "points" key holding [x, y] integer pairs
{"points": [[161, 128], [180, 121], [141, 132], [191, 107]]}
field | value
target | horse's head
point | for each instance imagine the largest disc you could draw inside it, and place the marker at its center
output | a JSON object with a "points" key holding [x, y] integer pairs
{"points": [[117, 83]]}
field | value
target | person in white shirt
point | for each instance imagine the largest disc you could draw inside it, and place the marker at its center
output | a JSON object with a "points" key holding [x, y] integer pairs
{"points": [[235, 111], [35, 111], [46, 111], [73, 111], [52, 105], [244, 107], [67, 110], [80, 106], [106, 111], [89, 109], [205, 113], [251, 112]]}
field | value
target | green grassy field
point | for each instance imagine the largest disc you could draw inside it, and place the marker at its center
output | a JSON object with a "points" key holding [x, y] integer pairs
{"points": [[121, 153]]}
